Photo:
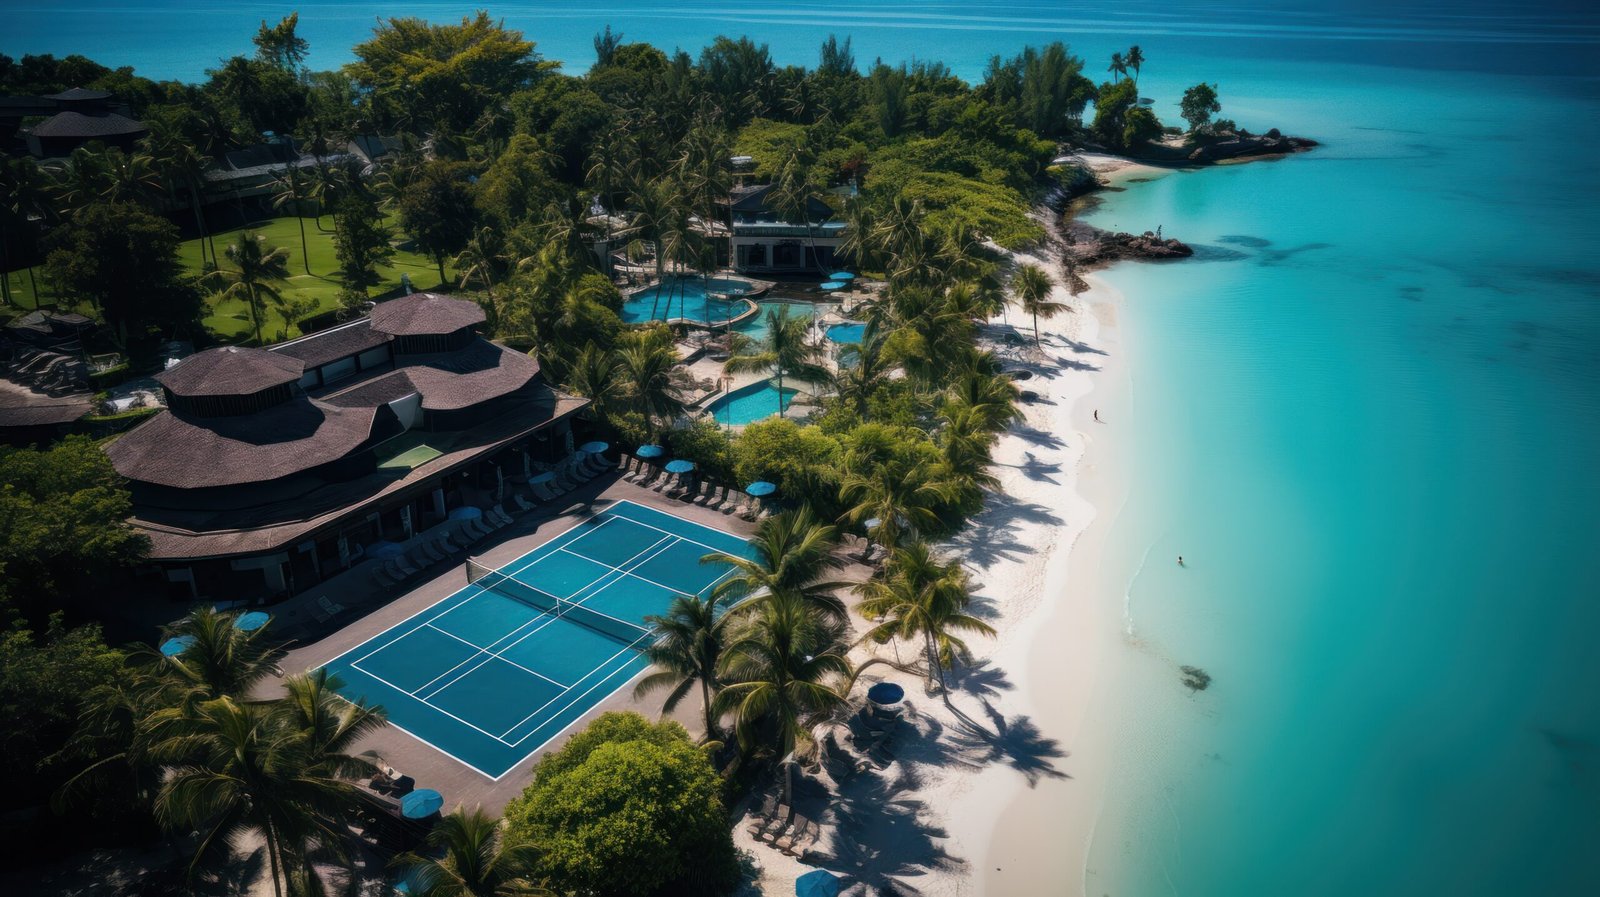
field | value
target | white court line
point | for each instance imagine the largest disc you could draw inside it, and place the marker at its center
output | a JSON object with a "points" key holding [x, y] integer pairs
{"points": [[627, 573], [557, 544], [705, 526], [435, 707], [497, 656], [569, 704]]}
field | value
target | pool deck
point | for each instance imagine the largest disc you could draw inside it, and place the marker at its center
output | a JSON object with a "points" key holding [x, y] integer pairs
{"points": [[432, 769]]}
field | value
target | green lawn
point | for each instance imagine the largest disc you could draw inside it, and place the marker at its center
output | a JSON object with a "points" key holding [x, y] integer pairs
{"points": [[229, 320]]}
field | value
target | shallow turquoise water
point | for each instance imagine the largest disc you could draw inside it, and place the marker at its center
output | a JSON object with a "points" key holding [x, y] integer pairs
{"points": [[847, 333], [1367, 417], [755, 326], [748, 404], [686, 298]]}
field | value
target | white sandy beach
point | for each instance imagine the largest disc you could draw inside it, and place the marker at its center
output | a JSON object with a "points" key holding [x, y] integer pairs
{"points": [[1015, 815]]}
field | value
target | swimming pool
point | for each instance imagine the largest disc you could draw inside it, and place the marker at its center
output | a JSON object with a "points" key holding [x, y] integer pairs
{"points": [[687, 298], [748, 404], [755, 326], [846, 333]]}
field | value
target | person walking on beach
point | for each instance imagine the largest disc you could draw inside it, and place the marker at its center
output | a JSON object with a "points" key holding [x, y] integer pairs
{"points": [[1097, 416]]}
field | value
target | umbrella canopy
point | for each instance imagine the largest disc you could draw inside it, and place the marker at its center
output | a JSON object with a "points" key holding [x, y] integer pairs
{"points": [[871, 523], [817, 883], [251, 621], [176, 645], [679, 466], [421, 804], [841, 275], [832, 285], [885, 693], [545, 477], [650, 451], [594, 448], [466, 512], [760, 488], [386, 550]]}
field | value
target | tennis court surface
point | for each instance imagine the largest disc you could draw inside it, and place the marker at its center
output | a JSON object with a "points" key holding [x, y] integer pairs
{"points": [[494, 671]]}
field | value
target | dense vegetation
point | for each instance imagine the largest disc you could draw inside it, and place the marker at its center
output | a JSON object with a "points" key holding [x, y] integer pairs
{"points": [[499, 160]]}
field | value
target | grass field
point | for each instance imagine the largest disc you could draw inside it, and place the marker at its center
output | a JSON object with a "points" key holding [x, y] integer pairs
{"points": [[229, 320]]}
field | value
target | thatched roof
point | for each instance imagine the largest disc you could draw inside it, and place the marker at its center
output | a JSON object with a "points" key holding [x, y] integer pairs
{"points": [[324, 346], [421, 314], [79, 94], [81, 126], [172, 450], [478, 373], [231, 371]]}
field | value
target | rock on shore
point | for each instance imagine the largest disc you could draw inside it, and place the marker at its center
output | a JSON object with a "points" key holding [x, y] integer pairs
{"points": [[1094, 247]]}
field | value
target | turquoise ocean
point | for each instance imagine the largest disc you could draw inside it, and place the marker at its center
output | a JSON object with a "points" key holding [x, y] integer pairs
{"points": [[1367, 414]]}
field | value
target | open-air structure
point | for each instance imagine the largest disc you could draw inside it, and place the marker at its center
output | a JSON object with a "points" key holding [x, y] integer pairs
{"points": [[766, 241], [275, 469]]}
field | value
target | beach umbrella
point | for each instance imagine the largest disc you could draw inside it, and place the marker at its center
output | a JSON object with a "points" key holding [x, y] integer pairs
{"points": [[817, 883], [421, 804], [650, 451], [594, 448], [761, 488], [251, 621], [841, 275], [176, 645], [679, 466], [871, 523], [466, 512], [886, 694], [831, 285], [384, 550]]}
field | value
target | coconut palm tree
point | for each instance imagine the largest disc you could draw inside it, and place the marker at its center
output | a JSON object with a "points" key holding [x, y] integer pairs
{"points": [[180, 164], [480, 259], [221, 660], [793, 553], [784, 351], [921, 595], [685, 654], [130, 177], [1118, 67], [293, 191], [25, 200], [1134, 60], [900, 493], [989, 394], [471, 855], [596, 375], [257, 266], [860, 242], [646, 368], [784, 673], [864, 368], [1032, 287]]}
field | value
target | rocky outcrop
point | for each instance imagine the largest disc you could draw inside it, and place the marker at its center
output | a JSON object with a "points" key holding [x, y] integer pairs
{"points": [[1093, 247], [1245, 146]]}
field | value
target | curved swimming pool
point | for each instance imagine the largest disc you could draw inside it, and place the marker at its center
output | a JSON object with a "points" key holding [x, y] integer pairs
{"points": [[846, 333], [748, 404], [690, 299]]}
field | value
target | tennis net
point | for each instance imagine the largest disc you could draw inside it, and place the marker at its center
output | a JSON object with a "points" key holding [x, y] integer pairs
{"points": [[605, 624]]}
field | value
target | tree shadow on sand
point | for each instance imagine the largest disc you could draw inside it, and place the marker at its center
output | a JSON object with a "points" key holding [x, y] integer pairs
{"points": [[991, 536], [1035, 468]]}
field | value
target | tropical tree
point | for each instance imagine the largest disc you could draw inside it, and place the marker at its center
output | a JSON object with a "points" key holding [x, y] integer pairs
{"points": [[596, 375], [258, 267], [920, 595], [220, 660], [293, 191], [784, 673], [784, 351], [1134, 60], [901, 493], [1118, 67], [25, 204], [472, 855], [180, 164], [793, 553], [647, 370], [685, 654], [480, 260], [864, 368], [1032, 287]]}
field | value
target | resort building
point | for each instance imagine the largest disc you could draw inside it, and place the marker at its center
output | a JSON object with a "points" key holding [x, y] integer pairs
{"points": [[275, 469], [83, 115], [764, 242]]}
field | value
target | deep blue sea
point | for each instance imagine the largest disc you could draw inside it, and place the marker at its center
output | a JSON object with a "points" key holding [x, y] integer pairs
{"points": [[1368, 414]]}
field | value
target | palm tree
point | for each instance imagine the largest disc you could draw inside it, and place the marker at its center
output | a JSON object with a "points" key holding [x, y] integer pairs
{"points": [[1135, 60], [920, 595], [221, 660], [1033, 288], [784, 351], [596, 375], [989, 394], [130, 177], [792, 195], [293, 192], [180, 164], [257, 266], [783, 673], [472, 856], [864, 368], [685, 654], [647, 370], [25, 193], [793, 552], [860, 236], [900, 493], [235, 767], [480, 259], [1118, 67]]}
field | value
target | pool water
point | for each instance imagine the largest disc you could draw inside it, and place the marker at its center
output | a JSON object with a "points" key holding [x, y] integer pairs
{"points": [[845, 334], [755, 326], [748, 404], [686, 298]]}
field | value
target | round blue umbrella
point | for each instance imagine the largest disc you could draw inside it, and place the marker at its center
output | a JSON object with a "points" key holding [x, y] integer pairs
{"points": [[832, 285], [594, 448], [421, 804], [251, 621], [760, 488], [382, 550], [650, 451], [841, 275], [176, 645], [817, 883], [679, 466], [886, 693], [466, 512]]}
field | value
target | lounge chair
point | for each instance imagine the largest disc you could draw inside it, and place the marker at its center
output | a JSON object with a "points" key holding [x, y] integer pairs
{"points": [[777, 826], [703, 496], [542, 491], [399, 569], [522, 503], [762, 819], [651, 474], [331, 608], [750, 509], [638, 471], [430, 550], [499, 514], [383, 579], [801, 833], [734, 501], [318, 614]]}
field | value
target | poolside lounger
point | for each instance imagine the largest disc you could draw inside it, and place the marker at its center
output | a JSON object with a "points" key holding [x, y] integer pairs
{"points": [[703, 497], [430, 551], [648, 476], [800, 833], [692, 492], [639, 471], [543, 492], [498, 513], [318, 614], [732, 502], [331, 608], [522, 503], [383, 579], [398, 566]]}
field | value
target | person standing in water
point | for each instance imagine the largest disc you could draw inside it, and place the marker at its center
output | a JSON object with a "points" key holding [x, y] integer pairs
{"points": [[1180, 560]]}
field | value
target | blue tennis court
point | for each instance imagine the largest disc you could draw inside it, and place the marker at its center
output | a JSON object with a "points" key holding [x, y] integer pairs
{"points": [[493, 672]]}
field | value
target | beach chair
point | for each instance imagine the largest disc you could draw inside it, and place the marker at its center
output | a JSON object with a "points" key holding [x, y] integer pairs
{"points": [[637, 471], [499, 514], [777, 826], [763, 818], [732, 501], [418, 558], [650, 474], [383, 579], [800, 835], [703, 494], [750, 510], [521, 502], [542, 491], [399, 569], [331, 608], [433, 551]]}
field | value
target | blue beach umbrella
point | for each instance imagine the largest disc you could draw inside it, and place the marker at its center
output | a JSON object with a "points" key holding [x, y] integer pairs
{"points": [[886, 693], [650, 451], [176, 645], [817, 883], [594, 448], [830, 286], [761, 488], [841, 275], [421, 804], [251, 621], [466, 512], [679, 466]]}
